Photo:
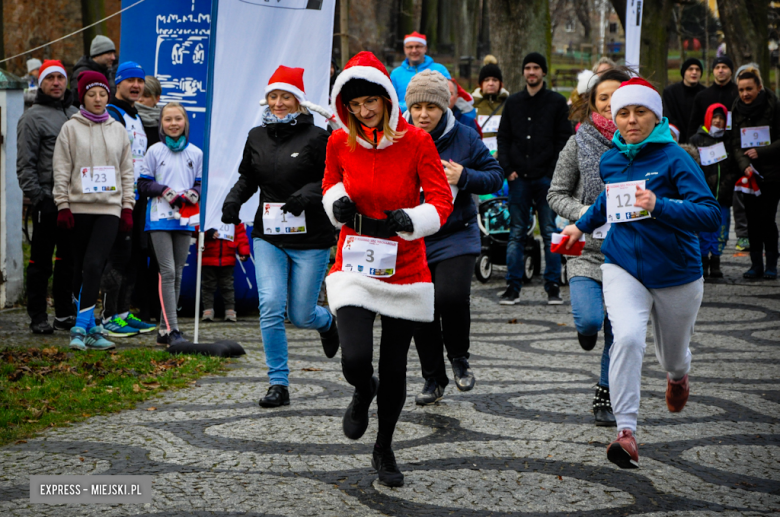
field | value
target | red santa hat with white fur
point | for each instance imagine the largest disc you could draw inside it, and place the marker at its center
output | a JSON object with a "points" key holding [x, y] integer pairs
{"points": [[637, 92], [290, 80]]}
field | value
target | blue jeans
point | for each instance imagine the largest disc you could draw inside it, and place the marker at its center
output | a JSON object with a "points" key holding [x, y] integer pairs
{"points": [[714, 242], [587, 307], [292, 279], [520, 215]]}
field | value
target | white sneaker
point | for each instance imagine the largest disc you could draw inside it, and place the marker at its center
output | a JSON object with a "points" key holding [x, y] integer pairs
{"points": [[231, 316], [208, 315]]}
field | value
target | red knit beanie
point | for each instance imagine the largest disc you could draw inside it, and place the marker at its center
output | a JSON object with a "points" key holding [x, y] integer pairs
{"points": [[89, 79]]}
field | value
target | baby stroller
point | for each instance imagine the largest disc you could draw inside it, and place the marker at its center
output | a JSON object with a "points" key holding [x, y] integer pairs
{"points": [[494, 223]]}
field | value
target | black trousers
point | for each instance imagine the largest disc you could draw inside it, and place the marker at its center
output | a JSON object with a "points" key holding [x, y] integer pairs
{"points": [[762, 229], [46, 237], [93, 237], [356, 333], [451, 320], [126, 260]]}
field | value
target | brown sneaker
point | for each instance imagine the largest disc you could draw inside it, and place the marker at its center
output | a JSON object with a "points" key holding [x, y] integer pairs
{"points": [[623, 451], [677, 393]]}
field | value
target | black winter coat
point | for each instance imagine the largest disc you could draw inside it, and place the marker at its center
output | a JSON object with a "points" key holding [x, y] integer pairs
{"points": [[678, 105], [714, 94], [87, 63], [720, 176], [768, 162], [532, 132], [282, 160]]}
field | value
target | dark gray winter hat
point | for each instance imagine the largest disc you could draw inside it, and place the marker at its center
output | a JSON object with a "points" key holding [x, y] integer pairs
{"points": [[101, 45]]}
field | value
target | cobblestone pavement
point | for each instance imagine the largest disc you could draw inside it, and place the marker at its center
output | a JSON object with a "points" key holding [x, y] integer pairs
{"points": [[521, 443]]}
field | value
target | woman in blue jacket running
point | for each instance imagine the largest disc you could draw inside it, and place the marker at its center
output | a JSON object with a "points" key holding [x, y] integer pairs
{"points": [[452, 251], [656, 199]]}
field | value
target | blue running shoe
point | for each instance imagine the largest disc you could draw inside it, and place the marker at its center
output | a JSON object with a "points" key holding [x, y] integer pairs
{"points": [[96, 341], [77, 337], [139, 325], [118, 327]]}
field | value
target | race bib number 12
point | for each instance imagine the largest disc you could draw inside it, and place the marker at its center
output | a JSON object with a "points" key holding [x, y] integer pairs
{"points": [[621, 198]]}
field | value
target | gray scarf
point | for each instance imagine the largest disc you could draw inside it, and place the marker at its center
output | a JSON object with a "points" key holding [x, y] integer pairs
{"points": [[591, 144], [150, 117]]}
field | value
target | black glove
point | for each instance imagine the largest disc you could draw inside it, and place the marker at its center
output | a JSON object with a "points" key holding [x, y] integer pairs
{"points": [[211, 234], [230, 213], [294, 205], [399, 221], [344, 210]]}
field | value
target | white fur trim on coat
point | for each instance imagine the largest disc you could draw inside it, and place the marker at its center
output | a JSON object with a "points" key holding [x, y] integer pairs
{"points": [[405, 301], [333, 194], [425, 219], [370, 74]]}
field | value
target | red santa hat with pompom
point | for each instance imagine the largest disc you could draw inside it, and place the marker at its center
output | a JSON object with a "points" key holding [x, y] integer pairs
{"points": [[748, 185], [290, 80], [637, 92]]}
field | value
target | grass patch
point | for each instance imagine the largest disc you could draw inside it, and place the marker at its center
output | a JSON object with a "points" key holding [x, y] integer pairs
{"points": [[53, 386]]}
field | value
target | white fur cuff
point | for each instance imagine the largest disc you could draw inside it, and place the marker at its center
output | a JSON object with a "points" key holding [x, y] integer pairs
{"points": [[425, 219], [333, 194]]}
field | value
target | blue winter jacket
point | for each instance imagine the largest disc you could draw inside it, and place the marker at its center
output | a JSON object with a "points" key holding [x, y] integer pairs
{"points": [[404, 73], [661, 251], [481, 175]]}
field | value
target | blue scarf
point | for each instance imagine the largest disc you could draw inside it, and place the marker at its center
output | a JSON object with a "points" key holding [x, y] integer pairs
{"points": [[660, 135], [177, 145], [270, 118]]}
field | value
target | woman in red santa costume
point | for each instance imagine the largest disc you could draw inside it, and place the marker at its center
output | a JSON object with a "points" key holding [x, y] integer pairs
{"points": [[376, 166]]}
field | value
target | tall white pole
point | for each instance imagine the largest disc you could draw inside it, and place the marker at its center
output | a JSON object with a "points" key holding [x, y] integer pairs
{"points": [[603, 31], [201, 246], [633, 32]]}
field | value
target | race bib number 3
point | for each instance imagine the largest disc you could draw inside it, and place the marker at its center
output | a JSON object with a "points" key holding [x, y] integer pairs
{"points": [[755, 136], [712, 154], [621, 198], [277, 222], [98, 179], [369, 256]]}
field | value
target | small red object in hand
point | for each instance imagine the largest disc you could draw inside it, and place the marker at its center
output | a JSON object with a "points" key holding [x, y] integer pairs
{"points": [[558, 245]]}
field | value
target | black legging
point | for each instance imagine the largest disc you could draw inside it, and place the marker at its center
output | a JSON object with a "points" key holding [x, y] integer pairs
{"points": [[762, 229], [93, 236], [451, 320], [357, 348]]}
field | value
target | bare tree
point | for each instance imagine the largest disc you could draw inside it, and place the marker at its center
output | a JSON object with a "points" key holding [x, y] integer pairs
{"points": [[92, 11], [746, 29], [582, 9], [516, 28]]}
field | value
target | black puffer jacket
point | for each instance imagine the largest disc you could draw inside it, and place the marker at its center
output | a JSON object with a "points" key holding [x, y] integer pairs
{"points": [[87, 63], [282, 160], [764, 111], [720, 176], [533, 131]]}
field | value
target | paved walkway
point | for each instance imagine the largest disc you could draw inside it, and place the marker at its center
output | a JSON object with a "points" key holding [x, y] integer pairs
{"points": [[522, 442]]}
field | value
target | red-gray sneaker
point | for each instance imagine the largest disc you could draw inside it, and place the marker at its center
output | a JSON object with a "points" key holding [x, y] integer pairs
{"points": [[623, 451], [677, 393]]}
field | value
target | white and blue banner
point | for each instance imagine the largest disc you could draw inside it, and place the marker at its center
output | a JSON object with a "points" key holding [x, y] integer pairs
{"points": [[252, 38], [633, 32]]}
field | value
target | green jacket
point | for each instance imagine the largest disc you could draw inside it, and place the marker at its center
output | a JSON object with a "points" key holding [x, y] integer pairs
{"points": [[485, 105]]}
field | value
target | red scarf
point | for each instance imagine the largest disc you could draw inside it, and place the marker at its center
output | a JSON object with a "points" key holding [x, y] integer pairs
{"points": [[605, 125]]}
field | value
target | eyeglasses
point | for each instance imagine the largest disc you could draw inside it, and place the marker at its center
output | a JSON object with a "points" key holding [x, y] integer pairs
{"points": [[370, 104]]}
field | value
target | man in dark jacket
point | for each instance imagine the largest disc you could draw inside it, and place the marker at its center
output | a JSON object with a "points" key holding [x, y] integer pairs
{"points": [[36, 135], [534, 129], [678, 97], [101, 58]]}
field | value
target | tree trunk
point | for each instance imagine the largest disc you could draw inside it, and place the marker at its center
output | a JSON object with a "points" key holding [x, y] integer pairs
{"points": [[678, 26], [466, 28], [92, 11], [518, 27], [582, 9], [654, 42], [430, 24], [746, 29], [411, 11]]}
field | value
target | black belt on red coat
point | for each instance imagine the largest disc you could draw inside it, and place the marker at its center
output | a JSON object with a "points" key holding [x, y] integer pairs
{"points": [[364, 225]]}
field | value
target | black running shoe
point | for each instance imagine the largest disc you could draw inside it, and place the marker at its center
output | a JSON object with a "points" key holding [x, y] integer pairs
{"points": [[554, 295], [42, 327], [431, 393], [588, 342], [383, 460], [66, 324], [510, 297], [464, 377], [330, 339], [355, 420], [602, 408]]}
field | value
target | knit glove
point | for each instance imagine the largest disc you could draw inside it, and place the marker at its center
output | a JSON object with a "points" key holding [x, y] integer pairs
{"points": [[65, 220], [399, 221], [169, 195], [230, 213], [191, 196], [294, 205], [126, 220], [344, 210]]}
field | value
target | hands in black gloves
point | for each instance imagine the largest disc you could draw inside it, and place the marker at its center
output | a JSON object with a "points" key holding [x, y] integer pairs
{"points": [[230, 213], [294, 205], [399, 221], [344, 210], [211, 234]]}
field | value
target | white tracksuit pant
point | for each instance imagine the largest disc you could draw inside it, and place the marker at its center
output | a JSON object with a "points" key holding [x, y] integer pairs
{"points": [[630, 304]]}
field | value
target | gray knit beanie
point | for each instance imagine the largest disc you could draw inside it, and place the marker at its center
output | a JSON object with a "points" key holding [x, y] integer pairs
{"points": [[101, 45], [428, 86]]}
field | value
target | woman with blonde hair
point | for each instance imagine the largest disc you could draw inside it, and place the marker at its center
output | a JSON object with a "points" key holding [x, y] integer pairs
{"points": [[376, 167]]}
